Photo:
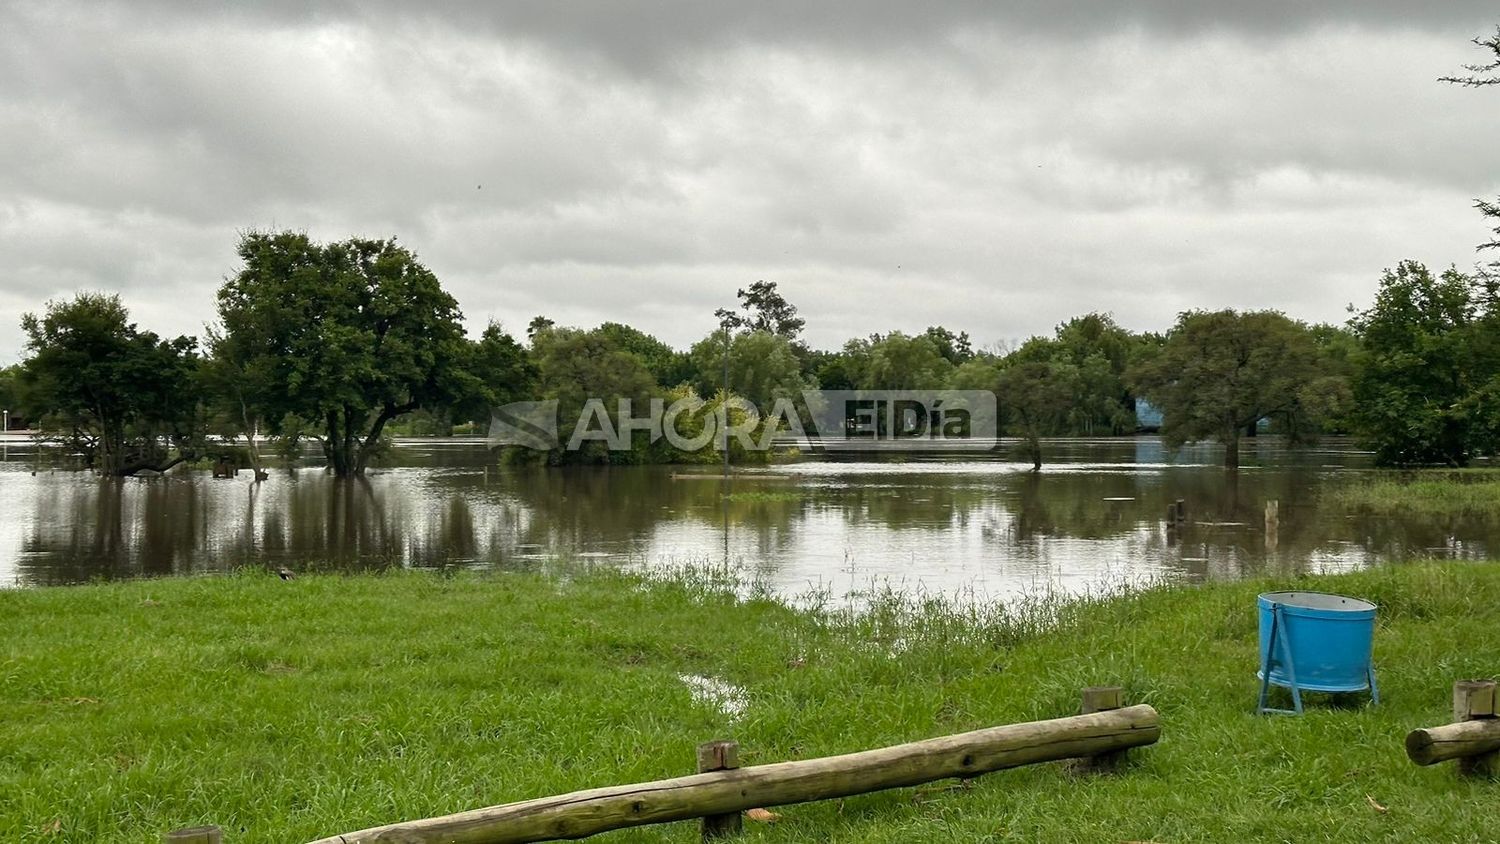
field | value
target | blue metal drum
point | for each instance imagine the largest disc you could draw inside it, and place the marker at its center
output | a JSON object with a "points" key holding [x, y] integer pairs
{"points": [[1312, 641]]}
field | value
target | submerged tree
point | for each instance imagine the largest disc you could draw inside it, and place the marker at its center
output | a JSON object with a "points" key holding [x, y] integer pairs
{"points": [[1220, 372], [348, 335], [123, 397]]}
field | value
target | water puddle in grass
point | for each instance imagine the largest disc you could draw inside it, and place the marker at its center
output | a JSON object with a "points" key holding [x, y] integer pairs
{"points": [[711, 691]]}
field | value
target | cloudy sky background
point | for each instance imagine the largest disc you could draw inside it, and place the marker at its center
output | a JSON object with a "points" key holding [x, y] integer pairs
{"points": [[995, 168]]}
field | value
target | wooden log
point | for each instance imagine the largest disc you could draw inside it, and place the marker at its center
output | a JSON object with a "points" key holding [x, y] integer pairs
{"points": [[1101, 699], [1473, 738], [194, 835], [720, 756], [585, 813], [1431, 745]]}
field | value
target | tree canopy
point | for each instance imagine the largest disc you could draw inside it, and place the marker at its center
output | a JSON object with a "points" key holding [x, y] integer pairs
{"points": [[1220, 372], [344, 336], [125, 398]]}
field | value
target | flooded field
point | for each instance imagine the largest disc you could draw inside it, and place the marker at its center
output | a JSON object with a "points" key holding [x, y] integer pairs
{"points": [[1096, 514]]}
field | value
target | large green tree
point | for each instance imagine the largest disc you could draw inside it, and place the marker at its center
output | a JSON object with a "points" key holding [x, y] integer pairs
{"points": [[1220, 372], [125, 398], [1426, 351], [347, 336]]}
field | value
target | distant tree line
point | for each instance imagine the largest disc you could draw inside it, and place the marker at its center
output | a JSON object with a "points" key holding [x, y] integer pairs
{"points": [[342, 344]]}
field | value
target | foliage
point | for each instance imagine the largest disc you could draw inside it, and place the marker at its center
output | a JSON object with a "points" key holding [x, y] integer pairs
{"points": [[667, 365], [505, 372], [896, 361], [1038, 395], [125, 398], [764, 310], [1422, 366], [574, 366], [10, 389], [955, 348], [763, 367], [352, 334], [1220, 372]]}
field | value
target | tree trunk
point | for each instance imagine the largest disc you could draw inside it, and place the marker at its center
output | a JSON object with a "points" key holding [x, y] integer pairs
{"points": [[1232, 449]]}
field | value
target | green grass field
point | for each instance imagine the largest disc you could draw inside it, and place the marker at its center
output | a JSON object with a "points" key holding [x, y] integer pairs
{"points": [[1426, 492], [286, 711]]}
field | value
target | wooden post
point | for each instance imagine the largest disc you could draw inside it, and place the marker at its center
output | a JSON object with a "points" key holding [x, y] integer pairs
{"points": [[1273, 524], [719, 756], [194, 835], [1474, 700], [1101, 699], [966, 755], [1473, 739]]}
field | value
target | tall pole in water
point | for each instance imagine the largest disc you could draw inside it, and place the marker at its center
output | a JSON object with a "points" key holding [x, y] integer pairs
{"points": [[724, 407]]}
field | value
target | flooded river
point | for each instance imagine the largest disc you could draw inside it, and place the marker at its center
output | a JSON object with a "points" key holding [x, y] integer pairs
{"points": [[1095, 515]]}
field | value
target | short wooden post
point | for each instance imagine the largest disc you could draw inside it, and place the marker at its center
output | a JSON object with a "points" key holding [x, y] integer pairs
{"points": [[194, 835], [719, 756], [1101, 699], [1273, 524], [1474, 700]]}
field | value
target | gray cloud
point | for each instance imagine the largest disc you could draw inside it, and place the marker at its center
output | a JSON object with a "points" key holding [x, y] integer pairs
{"points": [[892, 165]]}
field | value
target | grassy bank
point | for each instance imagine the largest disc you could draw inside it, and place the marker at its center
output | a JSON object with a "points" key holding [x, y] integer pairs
{"points": [[1435, 492], [288, 710]]}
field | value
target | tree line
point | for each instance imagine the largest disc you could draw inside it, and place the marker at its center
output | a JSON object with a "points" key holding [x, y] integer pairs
{"points": [[341, 344]]}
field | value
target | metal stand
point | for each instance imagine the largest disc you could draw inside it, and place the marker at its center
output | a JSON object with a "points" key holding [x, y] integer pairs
{"points": [[1279, 638]]}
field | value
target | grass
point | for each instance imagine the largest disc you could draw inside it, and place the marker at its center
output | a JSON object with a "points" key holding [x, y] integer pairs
{"points": [[1424, 493], [285, 711], [761, 496]]}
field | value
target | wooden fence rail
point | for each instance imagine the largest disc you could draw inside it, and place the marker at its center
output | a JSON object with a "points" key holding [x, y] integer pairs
{"points": [[718, 794], [1474, 736]]}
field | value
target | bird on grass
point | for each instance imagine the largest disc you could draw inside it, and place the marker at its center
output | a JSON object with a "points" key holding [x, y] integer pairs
{"points": [[285, 573]]}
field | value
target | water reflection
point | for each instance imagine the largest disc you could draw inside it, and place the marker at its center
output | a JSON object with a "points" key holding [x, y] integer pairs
{"points": [[1100, 512]]}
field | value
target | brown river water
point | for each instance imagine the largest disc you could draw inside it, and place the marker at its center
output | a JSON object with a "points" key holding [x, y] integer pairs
{"points": [[1095, 516]]}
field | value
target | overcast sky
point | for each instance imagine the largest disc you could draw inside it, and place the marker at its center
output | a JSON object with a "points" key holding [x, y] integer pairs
{"points": [[991, 167]]}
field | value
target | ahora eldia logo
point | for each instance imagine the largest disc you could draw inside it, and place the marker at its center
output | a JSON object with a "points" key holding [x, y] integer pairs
{"points": [[833, 419]]}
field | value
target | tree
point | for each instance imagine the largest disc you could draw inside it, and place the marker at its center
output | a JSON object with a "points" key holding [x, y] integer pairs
{"points": [[347, 335], [956, 348], [766, 310], [505, 372], [124, 397], [762, 367], [10, 390], [1420, 361], [1483, 75], [1038, 397], [1220, 372], [897, 361], [574, 366], [668, 366]]}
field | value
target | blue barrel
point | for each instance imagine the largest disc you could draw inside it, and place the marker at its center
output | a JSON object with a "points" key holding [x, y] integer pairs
{"points": [[1330, 637]]}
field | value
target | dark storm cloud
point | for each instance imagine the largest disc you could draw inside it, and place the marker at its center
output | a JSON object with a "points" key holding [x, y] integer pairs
{"points": [[993, 167]]}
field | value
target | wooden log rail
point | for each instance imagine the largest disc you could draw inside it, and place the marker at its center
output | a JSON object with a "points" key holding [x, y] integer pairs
{"points": [[1473, 738], [721, 793]]}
